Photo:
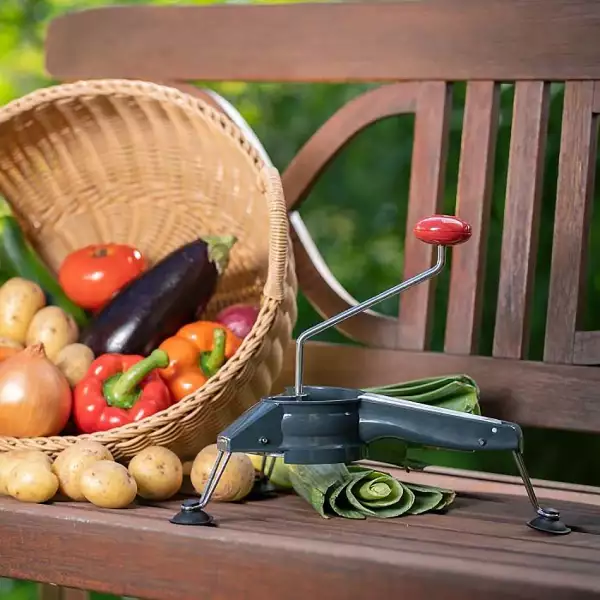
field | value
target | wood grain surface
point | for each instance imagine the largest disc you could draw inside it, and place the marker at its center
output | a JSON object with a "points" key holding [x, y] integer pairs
{"points": [[281, 548], [426, 40]]}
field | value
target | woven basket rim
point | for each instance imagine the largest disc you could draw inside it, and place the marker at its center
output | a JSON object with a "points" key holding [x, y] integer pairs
{"points": [[42, 97], [129, 87]]}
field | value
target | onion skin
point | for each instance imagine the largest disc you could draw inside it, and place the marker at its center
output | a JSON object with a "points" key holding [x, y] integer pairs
{"points": [[35, 397], [239, 318]]}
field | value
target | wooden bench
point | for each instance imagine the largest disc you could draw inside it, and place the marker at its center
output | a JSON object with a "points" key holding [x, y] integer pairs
{"points": [[281, 548]]}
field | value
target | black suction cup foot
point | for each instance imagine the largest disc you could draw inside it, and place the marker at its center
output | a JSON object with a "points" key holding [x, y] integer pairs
{"points": [[262, 489], [548, 521], [190, 515]]}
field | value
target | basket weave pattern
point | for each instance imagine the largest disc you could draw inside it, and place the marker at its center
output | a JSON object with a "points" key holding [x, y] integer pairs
{"points": [[139, 163]]}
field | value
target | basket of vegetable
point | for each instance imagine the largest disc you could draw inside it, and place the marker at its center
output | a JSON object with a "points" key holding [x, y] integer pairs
{"points": [[147, 285]]}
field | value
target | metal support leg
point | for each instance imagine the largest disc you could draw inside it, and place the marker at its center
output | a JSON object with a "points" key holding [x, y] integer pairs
{"points": [[192, 510], [548, 519]]}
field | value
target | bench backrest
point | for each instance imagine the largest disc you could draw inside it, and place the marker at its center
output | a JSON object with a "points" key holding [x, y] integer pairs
{"points": [[416, 50]]}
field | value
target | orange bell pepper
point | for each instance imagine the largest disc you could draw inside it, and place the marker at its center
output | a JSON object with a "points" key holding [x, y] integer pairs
{"points": [[196, 352]]}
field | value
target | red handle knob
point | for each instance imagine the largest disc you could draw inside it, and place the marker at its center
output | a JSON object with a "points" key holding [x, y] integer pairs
{"points": [[442, 230]]}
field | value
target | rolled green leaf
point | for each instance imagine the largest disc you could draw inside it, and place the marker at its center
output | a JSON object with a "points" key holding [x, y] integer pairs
{"points": [[378, 494], [426, 498], [339, 502], [357, 492], [454, 392], [316, 482], [447, 499]]}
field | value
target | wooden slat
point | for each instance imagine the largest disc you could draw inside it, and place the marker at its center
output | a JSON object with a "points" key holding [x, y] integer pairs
{"points": [[586, 350], [521, 218], [49, 592], [596, 101], [571, 226], [428, 170], [475, 183], [55, 592], [529, 393], [430, 39], [480, 548]]}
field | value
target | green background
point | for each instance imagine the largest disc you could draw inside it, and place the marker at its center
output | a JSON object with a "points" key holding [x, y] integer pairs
{"points": [[357, 211]]}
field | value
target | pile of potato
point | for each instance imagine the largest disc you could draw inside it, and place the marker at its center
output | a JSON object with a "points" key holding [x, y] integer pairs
{"points": [[88, 472], [25, 319]]}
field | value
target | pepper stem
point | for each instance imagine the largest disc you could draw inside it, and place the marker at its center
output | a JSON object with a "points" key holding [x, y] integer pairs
{"points": [[124, 392], [211, 362], [219, 247]]}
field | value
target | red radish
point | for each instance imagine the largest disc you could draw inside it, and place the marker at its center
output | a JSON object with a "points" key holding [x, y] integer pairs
{"points": [[239, 318]]}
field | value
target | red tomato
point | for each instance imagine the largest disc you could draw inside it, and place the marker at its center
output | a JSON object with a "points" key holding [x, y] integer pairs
{"points": [[92, 275]]}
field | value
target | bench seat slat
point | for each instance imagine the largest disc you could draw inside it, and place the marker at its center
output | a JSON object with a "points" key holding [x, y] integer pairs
{"points": [[266, 549]]}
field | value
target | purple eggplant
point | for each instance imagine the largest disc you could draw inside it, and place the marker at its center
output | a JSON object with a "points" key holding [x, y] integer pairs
{"points": [[158, 302]]}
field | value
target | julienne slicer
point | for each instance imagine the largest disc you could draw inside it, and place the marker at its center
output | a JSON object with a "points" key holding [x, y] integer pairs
{"points": [[328, 425]]}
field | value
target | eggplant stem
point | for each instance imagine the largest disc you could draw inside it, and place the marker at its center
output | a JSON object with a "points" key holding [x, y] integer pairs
{"points": [[218, 250]]}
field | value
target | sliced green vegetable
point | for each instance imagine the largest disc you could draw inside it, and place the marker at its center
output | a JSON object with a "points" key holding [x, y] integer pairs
{"points": [[426, 498], [455, 392], [395, 498], [315, 482], [339, 502], [357, 492], [448, 498]]}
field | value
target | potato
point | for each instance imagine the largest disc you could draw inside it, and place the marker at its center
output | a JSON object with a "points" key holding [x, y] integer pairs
{"points": [[32, 481], [108, 484], [20, 300], [74, 360], [9, 459], [29, 456], [158, 473], [5, 463], [236, 482], [54, 328], [73, 461]]}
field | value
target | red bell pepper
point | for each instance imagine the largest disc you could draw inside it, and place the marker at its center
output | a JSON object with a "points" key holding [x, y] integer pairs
{"points": [[119, 389]]}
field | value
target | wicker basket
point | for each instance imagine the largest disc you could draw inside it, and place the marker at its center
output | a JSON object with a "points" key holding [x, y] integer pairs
{"points": [[139, 163]]}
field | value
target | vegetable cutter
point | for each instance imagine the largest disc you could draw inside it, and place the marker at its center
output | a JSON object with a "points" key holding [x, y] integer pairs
{"points": [[328, 425]]}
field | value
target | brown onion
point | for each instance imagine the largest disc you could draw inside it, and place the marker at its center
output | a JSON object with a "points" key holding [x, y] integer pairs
{"points": [[35, 397]]}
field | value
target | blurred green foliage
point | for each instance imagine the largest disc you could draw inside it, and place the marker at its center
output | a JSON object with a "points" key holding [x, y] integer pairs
{"points": [[356, 212]]}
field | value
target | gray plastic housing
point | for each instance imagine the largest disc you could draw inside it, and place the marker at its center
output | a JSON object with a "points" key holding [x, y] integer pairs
{"points": [[328, 425]]}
